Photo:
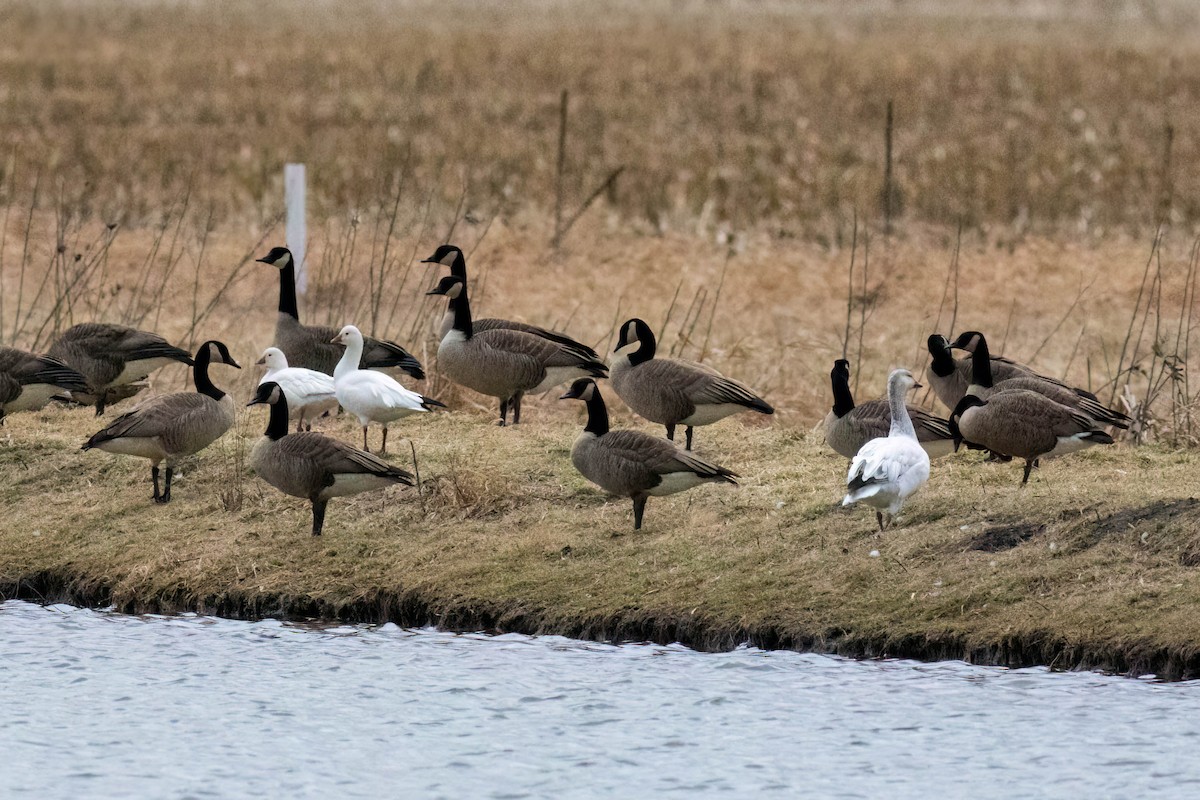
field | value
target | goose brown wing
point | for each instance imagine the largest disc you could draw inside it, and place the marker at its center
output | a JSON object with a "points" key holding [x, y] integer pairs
{"points": [[1022, 423], [481, 325], [156, 416], [705, 386], [659, 456], [534, 352], [336, 457]]}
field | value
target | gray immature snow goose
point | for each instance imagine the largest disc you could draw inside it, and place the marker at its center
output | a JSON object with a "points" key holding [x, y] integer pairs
{"points": [[170, 426], [113, 358], [312, 465], [28, 381], [887, 470], [504, 363], [450, 256], [309, 346], [631, 463], [983, 384], [848, 427], [672, 391]]}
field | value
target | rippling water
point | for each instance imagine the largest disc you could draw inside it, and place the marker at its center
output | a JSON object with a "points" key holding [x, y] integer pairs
{"points": [[95, 704]]}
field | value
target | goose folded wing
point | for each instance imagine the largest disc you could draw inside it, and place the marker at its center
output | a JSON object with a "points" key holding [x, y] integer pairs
{"points": [[335, 457]]}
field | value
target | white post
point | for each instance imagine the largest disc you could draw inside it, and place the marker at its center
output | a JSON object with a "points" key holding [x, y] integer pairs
{"points": [[293, 192]]}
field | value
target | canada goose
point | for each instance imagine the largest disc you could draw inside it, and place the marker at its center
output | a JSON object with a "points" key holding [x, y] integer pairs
{"points": [[984, 385], [1024, 424], [309, 393], [452, 257], [888, 470], [848, 427], [113, 358], [28, 381], [631, 463], [170, 426], [372, 396], [672, 391], [504, 363], [308, 346], [314, 465]]}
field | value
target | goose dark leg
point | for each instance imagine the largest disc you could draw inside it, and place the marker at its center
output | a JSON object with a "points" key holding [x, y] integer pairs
{"points": [[365, 446], [639, 508], [100, 402], [383, 450], [671, 432], [300, 424], [879, 519], [1028, 467], [688, 433], [503, 413], [166, 495], [154, 477], [516, 404], [318, 516]]}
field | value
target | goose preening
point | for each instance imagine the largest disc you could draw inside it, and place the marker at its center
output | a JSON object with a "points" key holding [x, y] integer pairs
{"points": [[309, 393], [170, 426], [313, 465], [113, 358], [848, 426], [309, 346], [372, 396], [983, 384], [29, 381], [450, 256], [672, 391], [631, 463], [889, 469], [501, 362]]}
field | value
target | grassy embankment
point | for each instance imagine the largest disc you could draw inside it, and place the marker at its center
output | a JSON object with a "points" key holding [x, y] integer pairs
{"points": [[1024, 131]]}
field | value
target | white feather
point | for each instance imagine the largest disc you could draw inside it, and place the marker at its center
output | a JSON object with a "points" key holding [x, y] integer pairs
{"points": [[369, 395], [308, 392]]}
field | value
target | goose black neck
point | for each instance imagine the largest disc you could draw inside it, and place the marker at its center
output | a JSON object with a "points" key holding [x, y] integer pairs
{"points": [[981, 365], [648, 347], [597, 422], [277, 425], [843, 400], [943, 361], [200, 375], [461, 307], [458, 267], [287, 291]]}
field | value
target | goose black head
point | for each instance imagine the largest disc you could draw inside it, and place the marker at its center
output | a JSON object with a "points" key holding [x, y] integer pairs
{"points": [[582, 389], [636, 341], [279, 257], [841, 369], [449, 286], [937, 344], [968, 340], [968, 401], [267, 393], [446, 255], [217, 353]]}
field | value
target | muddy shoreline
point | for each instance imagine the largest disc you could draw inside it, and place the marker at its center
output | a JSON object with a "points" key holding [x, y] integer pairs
{"points": [[697, 631]]}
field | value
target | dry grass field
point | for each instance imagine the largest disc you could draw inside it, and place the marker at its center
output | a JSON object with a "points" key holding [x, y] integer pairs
{"points": [[1046, 159]]}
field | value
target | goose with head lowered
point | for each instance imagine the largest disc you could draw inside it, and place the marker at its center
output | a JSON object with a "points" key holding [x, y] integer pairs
{"points": [[113, 359], [504, 363], [312, 465], [28, 381], [672, 391], [631, 463], [983, 384], [171, 426], [450, 256], [372, 396], [848, 426], [888, 470], [309, 346], [309, 393]]}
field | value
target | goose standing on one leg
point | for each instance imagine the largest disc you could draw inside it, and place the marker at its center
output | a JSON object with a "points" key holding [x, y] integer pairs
{"points": [[372, 396], [503, 363], [450, 256], [308, 346], [170, 426], [672, 391], [848, 427], [312, 465], [28, 381], [113, 358], [888, 470], [631, 463], [309, 393]]}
